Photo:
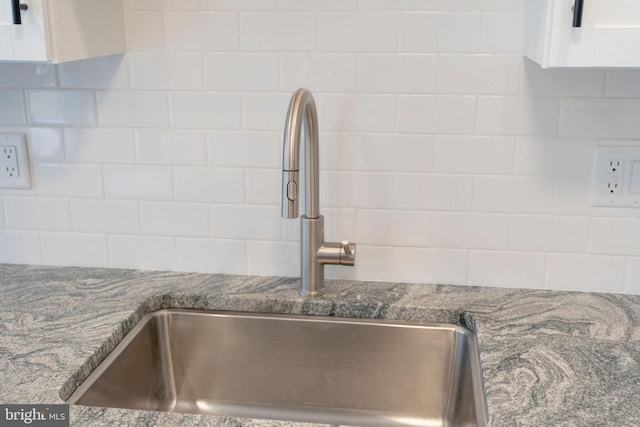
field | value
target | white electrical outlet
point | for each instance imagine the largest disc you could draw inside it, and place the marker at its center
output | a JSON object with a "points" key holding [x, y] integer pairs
{"points": [[8, 161], [615, 173], [14, 162], [615, 178]]}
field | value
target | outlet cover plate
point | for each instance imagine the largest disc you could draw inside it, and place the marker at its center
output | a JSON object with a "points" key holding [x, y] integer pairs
{"points": [[22, 180], [603, 175]]}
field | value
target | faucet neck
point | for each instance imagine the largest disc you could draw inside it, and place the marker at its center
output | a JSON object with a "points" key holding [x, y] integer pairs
{"points": [[301, 115]]}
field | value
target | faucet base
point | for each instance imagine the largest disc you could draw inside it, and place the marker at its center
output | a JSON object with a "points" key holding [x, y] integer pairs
{"points": [[316, 253], [311, 271]]}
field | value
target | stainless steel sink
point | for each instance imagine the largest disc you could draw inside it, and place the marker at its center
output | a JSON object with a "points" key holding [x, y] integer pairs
{"points": [[297, 368]]}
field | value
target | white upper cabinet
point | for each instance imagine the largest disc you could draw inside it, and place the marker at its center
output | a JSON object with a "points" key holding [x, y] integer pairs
{"points": [[60, 30], [607, 36]]}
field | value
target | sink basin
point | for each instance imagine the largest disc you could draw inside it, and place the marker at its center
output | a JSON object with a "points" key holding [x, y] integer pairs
{"points": [[291, 367]]}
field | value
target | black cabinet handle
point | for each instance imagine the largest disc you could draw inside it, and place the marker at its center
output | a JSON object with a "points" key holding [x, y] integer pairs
{"points": [[577, 13], [17, 8]]}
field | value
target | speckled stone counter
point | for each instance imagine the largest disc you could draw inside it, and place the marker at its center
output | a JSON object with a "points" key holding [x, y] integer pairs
{"points": [[549, 358]]}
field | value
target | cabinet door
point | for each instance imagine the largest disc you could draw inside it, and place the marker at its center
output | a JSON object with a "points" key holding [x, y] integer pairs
{"points": [[616, 33], [6, 22], [569, 46], [27, 41]]}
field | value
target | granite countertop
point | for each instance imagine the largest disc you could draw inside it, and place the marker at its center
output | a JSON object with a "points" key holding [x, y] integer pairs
{"points": [[549, 358]]}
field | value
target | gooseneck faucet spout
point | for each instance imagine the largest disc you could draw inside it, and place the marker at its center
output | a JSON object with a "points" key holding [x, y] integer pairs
{"points": [[302, 112], [314, 251]]}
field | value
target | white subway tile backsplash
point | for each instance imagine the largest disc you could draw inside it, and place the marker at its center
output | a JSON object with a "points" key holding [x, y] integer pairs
{"points": [[74, 249], [201, 31], [513, 115], [12, 109], [318, 5], [264, 111], [397, 73], [399, 4], [290, 228], [502, 31], [444, 154], [586, 273], [434, 192], [357, 189], [337, 151], [105, 216], [273, 258], [263, 186], [393, 228], [374, 263], [45, 144], [205, 110], [145, 252], [237, 71], [138, 182], [205, 184], [244, 149], [275, 32], [168, 5], [548, 233], [20, 247], [507, 269], [245, 222], [482, 155], [418, 32], [613, 236], [436, 114], [442, 266], [395, 152], [250, 5], [358, 32], [481, 74], [69, 180], [514, 194], [318, 72], [171, 147], [70, 107], [28, 75], [167, 70], [622, 83], [174, 219], [338, 224], [212, 256], [30, 213], [481, 4], [633, 276], [458, 32], [132, 108], [600, 117], [446, 32], [554, 156], [356, 112], [99, 145], [464, 230]]}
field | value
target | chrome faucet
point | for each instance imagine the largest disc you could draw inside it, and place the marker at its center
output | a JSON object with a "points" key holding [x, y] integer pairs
{"points": [[314, 251]]}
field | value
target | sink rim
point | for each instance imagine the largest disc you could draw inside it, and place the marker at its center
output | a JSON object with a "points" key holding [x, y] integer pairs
{"points": [[475, 366]]}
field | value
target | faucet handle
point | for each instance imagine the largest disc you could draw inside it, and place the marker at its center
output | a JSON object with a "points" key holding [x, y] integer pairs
{"points": [[343, 253], [347, 253]]}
